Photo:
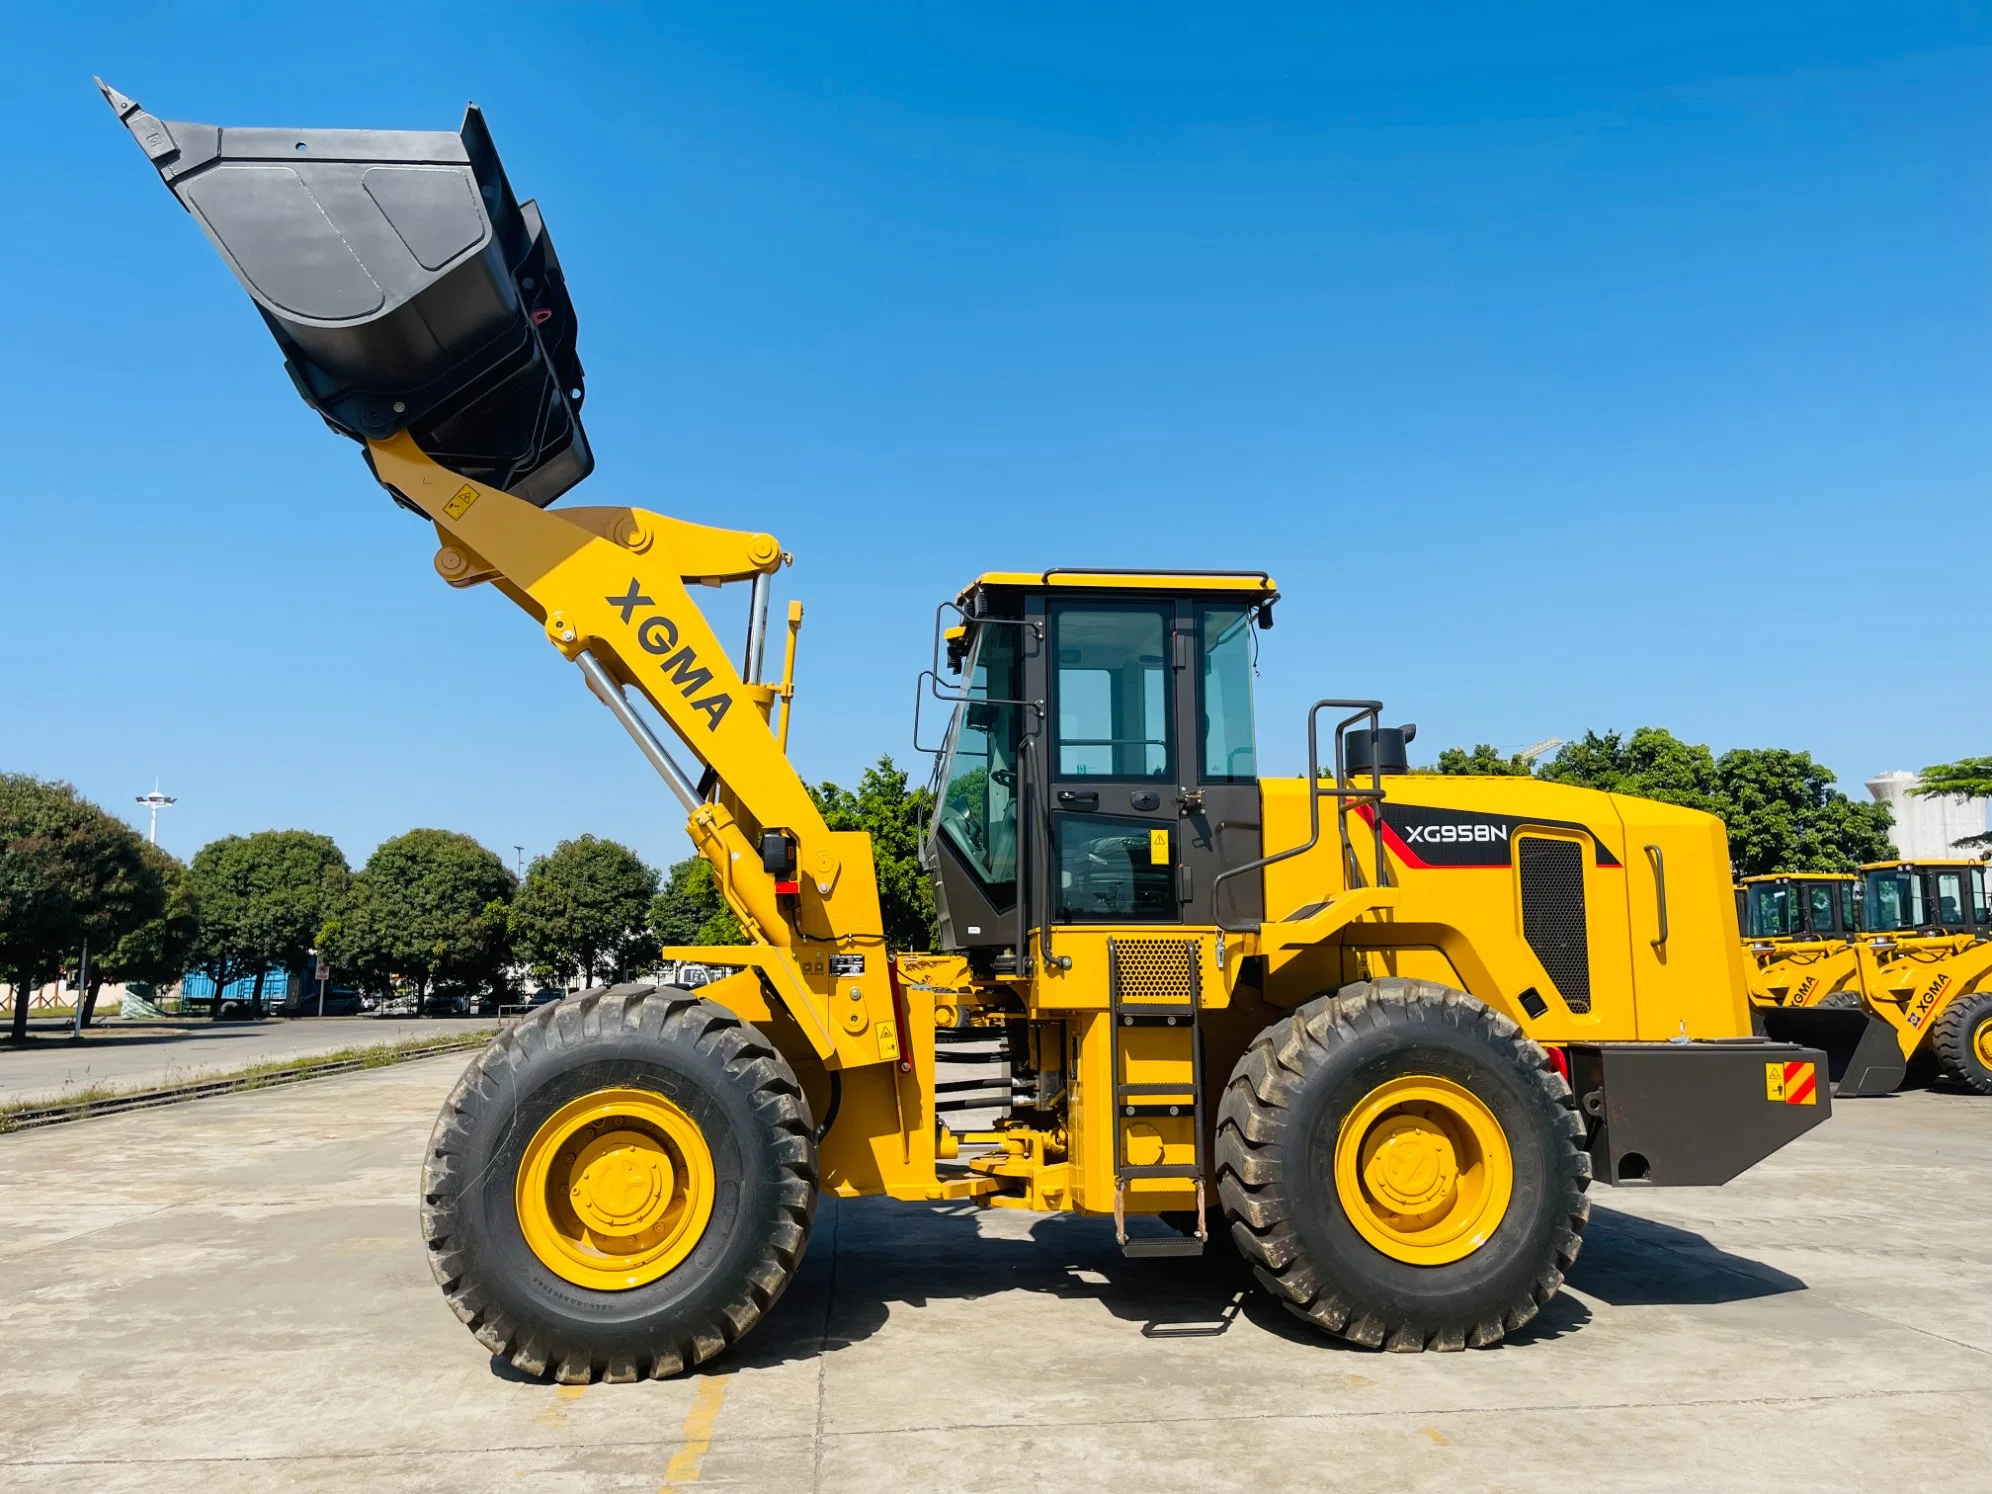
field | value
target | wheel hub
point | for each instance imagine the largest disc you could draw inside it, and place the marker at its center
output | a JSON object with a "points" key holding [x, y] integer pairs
{"points": [[1409, 1164], [1423, 1170], [622, 1183], [615, 1189], [1981, 1042]]}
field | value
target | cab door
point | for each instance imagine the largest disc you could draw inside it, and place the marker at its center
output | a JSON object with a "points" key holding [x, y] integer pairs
{"points": [[1219, 801], [1114, 749]]}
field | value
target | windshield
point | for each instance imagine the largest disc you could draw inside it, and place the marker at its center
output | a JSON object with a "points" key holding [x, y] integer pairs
{"points": [[978, 811], [1894, 901], [1772, 910]]}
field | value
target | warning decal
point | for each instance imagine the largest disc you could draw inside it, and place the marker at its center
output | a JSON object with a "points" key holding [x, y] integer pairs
{"points": [[1791, 1083]]}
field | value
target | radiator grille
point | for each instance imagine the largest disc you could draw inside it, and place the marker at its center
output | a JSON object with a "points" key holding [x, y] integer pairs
{"points": [[1553, 914]]}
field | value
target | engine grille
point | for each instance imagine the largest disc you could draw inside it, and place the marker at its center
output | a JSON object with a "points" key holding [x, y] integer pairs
{"points": [[1553, 914]]}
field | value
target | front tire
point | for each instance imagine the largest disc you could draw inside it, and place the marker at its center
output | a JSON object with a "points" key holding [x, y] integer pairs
{"points": [[1403, 1167], [620, 1186], [1962, 1042]]}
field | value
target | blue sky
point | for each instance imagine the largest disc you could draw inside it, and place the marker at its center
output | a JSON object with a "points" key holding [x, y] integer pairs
{"points": [[1570, 366]]}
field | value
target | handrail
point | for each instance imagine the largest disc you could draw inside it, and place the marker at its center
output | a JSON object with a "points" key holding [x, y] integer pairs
{"points": [[1346, 796], [1660, 892]]}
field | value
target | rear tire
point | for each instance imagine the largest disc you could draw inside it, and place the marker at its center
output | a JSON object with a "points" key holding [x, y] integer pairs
{"points": [[1281, 1128], [691, 1059], [1962, 1042]]}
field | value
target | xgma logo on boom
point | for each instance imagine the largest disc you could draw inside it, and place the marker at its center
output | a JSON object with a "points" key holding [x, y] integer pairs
{"points": [[1430, 834], [657, 634]]}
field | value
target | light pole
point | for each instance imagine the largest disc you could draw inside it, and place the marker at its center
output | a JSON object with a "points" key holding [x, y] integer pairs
{"points": [[156, 801], [519, 861]]}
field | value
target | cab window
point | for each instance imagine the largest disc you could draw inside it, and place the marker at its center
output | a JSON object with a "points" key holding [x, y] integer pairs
{"points": [[1950, 899], [1114, 870], [1112, 705], [978, 809], [1773, 910], [1819, 900], [1894, 901], [1224, 698]]}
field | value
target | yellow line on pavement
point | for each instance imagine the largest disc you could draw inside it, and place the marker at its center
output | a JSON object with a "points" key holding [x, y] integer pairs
{"points": [[697, 1435]]}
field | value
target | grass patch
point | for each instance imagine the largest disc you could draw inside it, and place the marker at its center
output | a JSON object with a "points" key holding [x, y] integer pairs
{"points": [[268, 1074]]}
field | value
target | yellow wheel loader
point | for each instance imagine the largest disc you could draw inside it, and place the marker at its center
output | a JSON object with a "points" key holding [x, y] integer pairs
{"points": [[1926, 963], [1911, 988], [1383, 1030], [1801, 932], [1798, 929]]}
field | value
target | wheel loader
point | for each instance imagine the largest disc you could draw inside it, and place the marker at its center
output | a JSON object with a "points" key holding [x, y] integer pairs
{"points": [[1801, 933], [1379, 1030], [1798, 929]]}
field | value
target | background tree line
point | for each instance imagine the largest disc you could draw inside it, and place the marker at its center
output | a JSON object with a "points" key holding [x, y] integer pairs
{"points": [[1781, 807], [430, 911]]}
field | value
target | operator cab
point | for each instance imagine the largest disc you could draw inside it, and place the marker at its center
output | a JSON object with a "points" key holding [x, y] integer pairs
{"points": [[1798, 907], [1930, 897], [1101, 764]]}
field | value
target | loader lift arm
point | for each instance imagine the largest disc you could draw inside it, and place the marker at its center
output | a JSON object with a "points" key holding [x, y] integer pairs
{"points": [[423, 314]]}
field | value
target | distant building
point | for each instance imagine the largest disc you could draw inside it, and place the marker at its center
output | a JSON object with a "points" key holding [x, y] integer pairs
{"points": [[1928, 828]]}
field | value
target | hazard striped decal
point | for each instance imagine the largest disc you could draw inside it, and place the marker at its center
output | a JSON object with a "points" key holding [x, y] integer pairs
{"points": [[1791, 1083]]}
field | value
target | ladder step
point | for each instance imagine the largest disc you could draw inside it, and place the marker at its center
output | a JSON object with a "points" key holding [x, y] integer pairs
{"points": [[1163, 1245], [1186, 1170]]}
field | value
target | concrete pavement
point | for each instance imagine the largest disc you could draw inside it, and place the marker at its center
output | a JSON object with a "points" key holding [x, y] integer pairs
{"points": [[230, 1295]]}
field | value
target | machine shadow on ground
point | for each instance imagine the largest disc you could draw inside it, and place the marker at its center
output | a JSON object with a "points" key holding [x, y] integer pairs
{"points": [[872, 1256]]}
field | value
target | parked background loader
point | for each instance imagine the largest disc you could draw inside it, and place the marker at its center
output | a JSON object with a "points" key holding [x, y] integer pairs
{"points": [[1388, 1027], [1905, 983]]}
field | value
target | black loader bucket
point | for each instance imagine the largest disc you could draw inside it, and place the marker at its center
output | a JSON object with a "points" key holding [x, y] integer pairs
{"points": [[407, 287], [1862, 1055]]}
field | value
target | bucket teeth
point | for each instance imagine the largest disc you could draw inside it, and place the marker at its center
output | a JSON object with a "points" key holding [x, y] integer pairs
{"points": [[124, 106], [151, 133]]}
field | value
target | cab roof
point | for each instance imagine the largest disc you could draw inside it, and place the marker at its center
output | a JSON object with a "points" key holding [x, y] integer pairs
{"points": [[1804, 876], [1255, 584], [1921, 861]]}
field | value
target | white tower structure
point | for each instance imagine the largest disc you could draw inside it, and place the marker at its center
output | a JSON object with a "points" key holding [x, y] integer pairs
{"points": [[1927, 829], [156, 801]]}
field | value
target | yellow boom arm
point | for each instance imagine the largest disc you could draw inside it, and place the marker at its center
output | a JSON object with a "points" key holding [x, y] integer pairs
{"points": [[608, 585]]}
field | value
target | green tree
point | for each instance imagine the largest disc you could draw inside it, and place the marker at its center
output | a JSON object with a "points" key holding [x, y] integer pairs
{"points": [[429, 908], [68, 873], [690, 909], [892, 813], [263, 899], [585, 907], [1968, 778], [1780, 806], [1484, 761], [1652, 763], [1784, 814], [155, 951]]}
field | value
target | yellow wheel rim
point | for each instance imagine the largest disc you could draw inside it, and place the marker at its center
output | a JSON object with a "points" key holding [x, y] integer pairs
{"points": [[1981, 1042], [1423, 1170], [615, 1189]]}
